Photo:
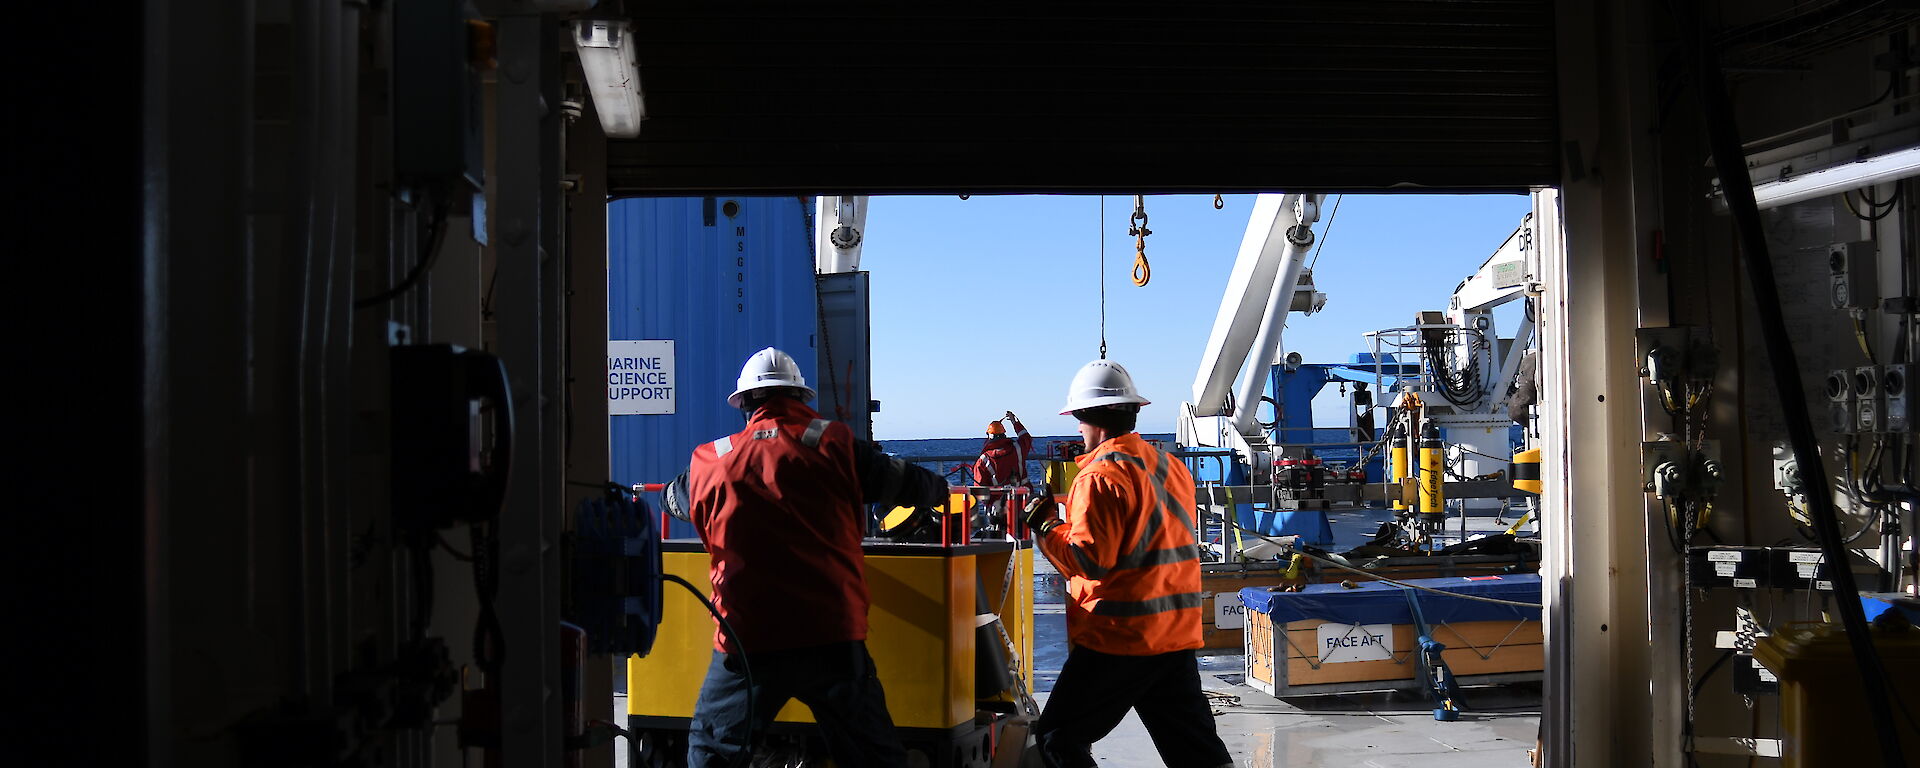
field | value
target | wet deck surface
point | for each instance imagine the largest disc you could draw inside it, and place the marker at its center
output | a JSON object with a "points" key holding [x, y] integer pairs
{"points": [[1363, 730]]}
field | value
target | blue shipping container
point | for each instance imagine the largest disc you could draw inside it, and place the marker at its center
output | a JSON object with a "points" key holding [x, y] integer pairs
{"points": [[721, 278]]}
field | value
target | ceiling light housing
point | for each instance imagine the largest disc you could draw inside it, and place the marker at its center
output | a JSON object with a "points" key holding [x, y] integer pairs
{"points": [[612, 67]]}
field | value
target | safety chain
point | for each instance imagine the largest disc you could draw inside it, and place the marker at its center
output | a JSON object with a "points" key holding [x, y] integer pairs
{"points": [[1142, 272], [1686, 630]]}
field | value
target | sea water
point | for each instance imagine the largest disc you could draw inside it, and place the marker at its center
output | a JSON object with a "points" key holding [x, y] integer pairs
{"points": [[957, 471]]}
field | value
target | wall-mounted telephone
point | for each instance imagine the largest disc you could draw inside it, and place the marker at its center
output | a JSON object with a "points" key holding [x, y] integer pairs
{"points": [[452, 432]]}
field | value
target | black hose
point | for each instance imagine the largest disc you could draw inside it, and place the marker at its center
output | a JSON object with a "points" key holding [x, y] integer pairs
{"points": [[429, 253], [746, 669], [1729, 161]]}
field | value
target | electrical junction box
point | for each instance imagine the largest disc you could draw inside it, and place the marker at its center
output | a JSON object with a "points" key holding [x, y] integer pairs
{"points": [[1842, 406], [1870, 403], [439, 51], [1751, 678], [1786, 470], [1654, 454], [1693, 482], [1801, 568], [1676, 352], [1853, 276], [1896, 381], [1433, 325], [1730, 567]]}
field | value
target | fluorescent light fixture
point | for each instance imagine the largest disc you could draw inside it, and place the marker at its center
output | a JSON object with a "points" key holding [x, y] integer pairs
{"points": [[1833, 180], [613, 74]]}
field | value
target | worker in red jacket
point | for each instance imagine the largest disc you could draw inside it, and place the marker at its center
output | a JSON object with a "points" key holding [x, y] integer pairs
{"points": [[1133, 584], [780, 507], [1003, 460]]}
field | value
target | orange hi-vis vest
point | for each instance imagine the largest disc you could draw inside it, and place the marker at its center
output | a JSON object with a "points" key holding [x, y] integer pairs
{"points": [[1127, 548]]}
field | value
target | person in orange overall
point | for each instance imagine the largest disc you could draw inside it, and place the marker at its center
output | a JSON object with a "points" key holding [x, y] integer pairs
{"points": [[1133, 584], [779, 506]]}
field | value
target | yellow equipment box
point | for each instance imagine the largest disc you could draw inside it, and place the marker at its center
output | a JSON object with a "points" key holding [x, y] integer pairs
{"points": [[920, 633], [1823, 708]]}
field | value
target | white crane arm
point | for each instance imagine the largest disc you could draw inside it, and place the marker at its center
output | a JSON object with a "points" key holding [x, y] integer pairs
{"points": [[840, 224]]}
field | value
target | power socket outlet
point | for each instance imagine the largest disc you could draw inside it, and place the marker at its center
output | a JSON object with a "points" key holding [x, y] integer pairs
{"points": [[1896, 389], [1870, 404], [1853, 276], [1842, 404]]}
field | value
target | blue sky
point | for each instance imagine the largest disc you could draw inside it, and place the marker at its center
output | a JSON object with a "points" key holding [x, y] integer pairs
{"points": [[989, 304]]}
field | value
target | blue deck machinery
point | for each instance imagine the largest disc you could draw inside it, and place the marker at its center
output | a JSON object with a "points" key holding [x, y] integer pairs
{"points": [[1429, 426], [1434, 412]]}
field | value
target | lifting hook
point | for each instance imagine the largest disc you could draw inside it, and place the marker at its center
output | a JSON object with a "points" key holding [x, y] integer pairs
{"points": [[1142, 272]]}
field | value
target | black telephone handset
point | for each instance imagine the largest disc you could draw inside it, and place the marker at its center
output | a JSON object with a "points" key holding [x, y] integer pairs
{"points": [[443, 473]]}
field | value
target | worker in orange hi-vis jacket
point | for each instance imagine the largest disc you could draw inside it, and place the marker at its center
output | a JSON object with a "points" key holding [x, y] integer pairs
{"points": [[1133, 583]]}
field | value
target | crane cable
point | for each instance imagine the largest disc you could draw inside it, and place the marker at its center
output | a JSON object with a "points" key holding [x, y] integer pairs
{"points": [[1137, 226], [1325, 233], [1101, 275]]}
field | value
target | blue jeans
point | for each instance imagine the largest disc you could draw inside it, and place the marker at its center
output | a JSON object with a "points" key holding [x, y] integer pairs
{"points": [[837, 681]]}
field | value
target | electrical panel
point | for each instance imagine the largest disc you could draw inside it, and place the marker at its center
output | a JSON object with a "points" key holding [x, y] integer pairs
{"points": [[1853, 276], [438, 55]]}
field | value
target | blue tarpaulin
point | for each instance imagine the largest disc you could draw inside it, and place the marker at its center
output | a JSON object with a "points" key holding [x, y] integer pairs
{"points": [[1876, 603], [1374, 602]]}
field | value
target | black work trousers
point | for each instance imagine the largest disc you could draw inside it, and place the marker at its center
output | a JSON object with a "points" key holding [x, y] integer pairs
{"points": [[1096, 689], [837, 681]]}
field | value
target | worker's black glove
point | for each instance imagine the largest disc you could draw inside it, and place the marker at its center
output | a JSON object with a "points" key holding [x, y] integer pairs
{"points": [[1041, 515], [923, 488], [676, 499], [1011, 417]]}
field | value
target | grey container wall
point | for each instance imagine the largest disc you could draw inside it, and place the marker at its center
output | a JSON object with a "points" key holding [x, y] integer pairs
{"points": [[721, 287]]}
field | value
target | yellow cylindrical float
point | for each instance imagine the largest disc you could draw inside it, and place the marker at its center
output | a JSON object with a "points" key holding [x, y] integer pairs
{"points": [[1399, 458], [1432, 470]]}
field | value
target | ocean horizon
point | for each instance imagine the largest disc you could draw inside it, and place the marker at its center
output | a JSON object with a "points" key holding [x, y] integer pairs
{"points": [[921, 450]]}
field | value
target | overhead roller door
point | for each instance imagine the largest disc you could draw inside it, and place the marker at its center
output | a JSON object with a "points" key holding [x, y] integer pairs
{"points": [[1112, 96]]}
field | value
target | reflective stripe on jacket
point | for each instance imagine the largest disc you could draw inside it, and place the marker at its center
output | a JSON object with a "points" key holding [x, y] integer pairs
{"points": [[778, 506], [1002, 460], [1127, 549]]}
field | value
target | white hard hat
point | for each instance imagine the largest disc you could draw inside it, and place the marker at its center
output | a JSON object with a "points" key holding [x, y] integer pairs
{"points": [[1101, 382], [769, 368]]}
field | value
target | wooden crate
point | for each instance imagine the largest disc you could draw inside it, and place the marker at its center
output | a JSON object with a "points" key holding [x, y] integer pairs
{"points": [[1213, 582], [1217, 578], [1282, 661]]}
